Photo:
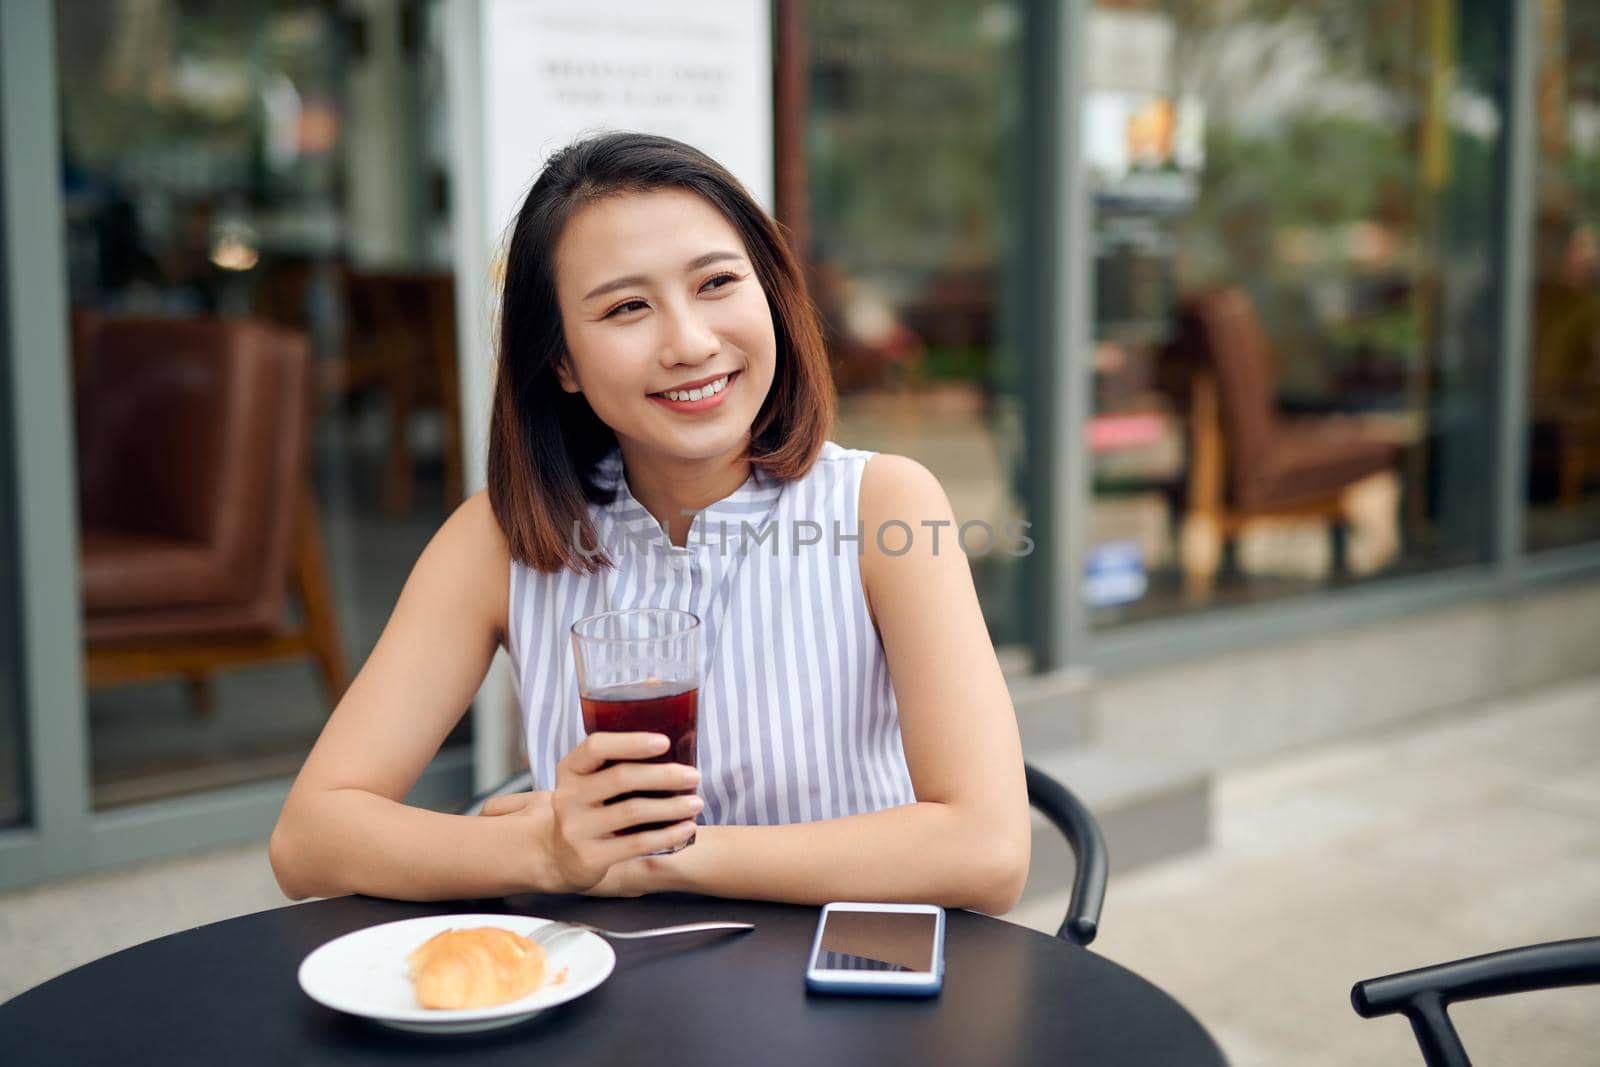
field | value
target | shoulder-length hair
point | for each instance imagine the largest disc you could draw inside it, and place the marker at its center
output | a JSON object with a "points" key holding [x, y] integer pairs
{"points": [[544, 443]]}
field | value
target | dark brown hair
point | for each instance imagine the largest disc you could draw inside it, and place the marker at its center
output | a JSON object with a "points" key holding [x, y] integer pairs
{"points": [[543, 441]]}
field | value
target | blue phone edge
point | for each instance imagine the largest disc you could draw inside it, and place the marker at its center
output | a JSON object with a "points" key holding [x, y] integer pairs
{"points": [[866, 987]]}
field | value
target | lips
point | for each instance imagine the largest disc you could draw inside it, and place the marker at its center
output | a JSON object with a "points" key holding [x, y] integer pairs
{"points": [[706, 401], [683, 393]]}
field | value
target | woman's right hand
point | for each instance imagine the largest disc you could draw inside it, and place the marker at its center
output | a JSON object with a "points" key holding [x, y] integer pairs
{"points": [[584, 842]]}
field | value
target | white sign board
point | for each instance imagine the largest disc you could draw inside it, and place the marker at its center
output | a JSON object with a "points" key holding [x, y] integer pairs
{"points": [[553, 70]]}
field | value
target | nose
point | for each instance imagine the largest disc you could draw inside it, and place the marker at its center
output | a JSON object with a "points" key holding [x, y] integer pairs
{"points": [[689, 340]]}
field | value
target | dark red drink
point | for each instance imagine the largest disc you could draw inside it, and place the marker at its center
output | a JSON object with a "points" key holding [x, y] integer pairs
{"points": [[648, 707]]}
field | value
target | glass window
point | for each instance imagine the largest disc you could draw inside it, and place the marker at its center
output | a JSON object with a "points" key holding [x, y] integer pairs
{"points": [[282, 163], [1564, 373], [911, 137], [1295, 214]]}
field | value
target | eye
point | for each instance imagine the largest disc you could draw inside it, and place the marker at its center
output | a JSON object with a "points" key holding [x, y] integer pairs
{"points": [[723, 279], [625, 307]]}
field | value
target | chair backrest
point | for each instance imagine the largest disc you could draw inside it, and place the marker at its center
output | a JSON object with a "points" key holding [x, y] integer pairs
{"points": [[1219, 330], [195, 431], [1424, 995]]}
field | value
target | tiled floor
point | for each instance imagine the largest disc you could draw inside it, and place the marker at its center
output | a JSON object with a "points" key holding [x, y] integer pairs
{"points": [[1477, 831]]}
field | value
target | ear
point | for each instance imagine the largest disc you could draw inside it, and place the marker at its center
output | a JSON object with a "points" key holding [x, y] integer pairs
{"points": [[564, 375]]}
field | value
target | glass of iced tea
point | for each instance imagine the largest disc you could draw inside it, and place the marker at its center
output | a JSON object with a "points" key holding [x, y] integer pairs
{"points": [[639, 670]]}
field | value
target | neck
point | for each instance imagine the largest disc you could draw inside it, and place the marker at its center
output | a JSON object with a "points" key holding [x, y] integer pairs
{"points": [[669, 487]]}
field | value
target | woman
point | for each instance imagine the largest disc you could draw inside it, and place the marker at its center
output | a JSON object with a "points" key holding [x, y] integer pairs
{"points": [[659, 359]]}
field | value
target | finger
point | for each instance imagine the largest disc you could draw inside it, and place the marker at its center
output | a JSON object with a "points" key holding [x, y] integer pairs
{"points": [[639, 777], [596, 750], [642, 810], [504, 805], [632, 846], [668, 837]]}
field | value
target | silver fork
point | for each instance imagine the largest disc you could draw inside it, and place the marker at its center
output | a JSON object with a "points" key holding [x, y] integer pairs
{"points": [[553, 931]]}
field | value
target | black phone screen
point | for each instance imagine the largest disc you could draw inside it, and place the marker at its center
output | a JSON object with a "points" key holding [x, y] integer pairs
{"points": [[877, 941]]}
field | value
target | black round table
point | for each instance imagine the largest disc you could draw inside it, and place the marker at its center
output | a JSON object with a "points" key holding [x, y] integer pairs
{"points": [[228, 994]]}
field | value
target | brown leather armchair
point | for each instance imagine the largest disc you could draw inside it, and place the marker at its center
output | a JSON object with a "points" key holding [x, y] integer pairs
{"points": [[1246, 461], [195, 510]]}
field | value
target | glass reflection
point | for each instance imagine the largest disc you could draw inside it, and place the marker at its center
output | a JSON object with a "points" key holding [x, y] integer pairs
{"points": [[243, 183], [1295, 213], [911, 139], [1564, 378]]}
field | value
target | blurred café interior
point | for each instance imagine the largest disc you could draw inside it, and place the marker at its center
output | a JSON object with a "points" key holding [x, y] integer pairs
{"points": [[1292, 226], [242, 180]]}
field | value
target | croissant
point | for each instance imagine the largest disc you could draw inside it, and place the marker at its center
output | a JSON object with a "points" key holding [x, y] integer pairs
{"points": [[475, 968]]}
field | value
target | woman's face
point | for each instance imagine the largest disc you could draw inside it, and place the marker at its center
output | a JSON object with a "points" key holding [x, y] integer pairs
{"points": [[658, 298]]}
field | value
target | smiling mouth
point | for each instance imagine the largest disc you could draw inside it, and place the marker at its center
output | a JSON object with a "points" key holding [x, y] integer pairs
{"points": [[711, 388]]}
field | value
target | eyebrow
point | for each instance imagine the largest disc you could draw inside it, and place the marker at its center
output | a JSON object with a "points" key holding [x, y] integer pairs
{"points": [[639, 279]]}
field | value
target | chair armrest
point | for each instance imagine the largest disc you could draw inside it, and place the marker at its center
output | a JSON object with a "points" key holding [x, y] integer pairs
{"points": [[1422, 995], [1516, 970], [1077, 824]]}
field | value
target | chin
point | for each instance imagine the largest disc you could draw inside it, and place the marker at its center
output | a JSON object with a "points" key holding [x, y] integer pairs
{"points": [[708, 443], [708, 447]]}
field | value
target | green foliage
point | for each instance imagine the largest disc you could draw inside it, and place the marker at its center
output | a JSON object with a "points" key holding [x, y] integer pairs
{"points": [[964, 363], [1317, 171], [912, 108]]}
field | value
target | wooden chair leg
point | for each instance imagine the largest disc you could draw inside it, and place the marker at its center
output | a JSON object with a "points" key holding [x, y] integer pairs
{"points": [[454, 480], [398, 470], [316, 600], [1571, 478], [1200, 550], [1338, 548], [442, 324], [202, 694], [1200, 541]]}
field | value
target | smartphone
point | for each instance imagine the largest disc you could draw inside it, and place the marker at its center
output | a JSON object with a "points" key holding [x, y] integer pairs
{"points": [[894, 950]]}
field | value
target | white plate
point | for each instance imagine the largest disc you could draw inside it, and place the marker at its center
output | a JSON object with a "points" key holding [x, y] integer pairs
{"points": [[364, 973]]}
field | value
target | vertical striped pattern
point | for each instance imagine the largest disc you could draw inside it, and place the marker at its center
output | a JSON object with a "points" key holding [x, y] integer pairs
{"points": [[797, 712]]}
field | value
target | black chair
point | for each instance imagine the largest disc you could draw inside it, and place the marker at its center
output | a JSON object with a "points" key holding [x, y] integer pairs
{"points": [[1077, 824], [1425, 995], [1054, 800]]}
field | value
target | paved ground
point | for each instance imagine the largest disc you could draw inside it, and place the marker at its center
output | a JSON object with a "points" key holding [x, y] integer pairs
{"points": [[1466, 835], [1476, 831]]}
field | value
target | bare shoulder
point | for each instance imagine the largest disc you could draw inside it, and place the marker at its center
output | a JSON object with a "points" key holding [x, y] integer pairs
{"points": [[474, 517], [909, 530], [898, 487], [472, 526], [468, 563]]}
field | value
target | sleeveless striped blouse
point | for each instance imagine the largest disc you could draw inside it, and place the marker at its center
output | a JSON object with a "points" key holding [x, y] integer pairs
{"points": [[797, 715]]}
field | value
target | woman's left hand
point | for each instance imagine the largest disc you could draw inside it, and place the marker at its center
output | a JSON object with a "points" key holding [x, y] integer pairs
{"points": [[626, 879]]}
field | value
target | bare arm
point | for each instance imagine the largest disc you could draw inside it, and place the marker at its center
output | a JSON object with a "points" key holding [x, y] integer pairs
{"points": [[965, 841], [345, 827]]}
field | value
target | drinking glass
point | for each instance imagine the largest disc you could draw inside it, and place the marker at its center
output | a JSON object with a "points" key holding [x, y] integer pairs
{"points": [[639, 670]]}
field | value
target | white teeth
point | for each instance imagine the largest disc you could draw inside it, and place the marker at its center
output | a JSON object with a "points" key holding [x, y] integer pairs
{"points": [[709, 389]]}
